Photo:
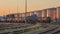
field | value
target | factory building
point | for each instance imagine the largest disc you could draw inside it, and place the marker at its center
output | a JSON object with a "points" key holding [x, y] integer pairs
{"points": [[54, 13]]}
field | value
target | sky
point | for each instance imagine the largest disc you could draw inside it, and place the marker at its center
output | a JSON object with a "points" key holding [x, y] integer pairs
{"points": [[10, 6]]}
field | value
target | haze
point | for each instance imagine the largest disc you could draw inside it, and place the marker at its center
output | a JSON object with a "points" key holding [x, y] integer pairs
{"points": [[10, 6]]}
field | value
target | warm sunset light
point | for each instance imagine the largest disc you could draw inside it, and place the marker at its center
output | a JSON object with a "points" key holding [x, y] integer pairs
{"points": [[10, 6], [29, 16]]}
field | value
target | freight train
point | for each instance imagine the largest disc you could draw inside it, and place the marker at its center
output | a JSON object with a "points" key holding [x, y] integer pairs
{"points": [[33, 19]]}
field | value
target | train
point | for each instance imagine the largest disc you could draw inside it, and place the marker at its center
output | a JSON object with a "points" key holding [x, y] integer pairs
{"points": [[33, 19]]}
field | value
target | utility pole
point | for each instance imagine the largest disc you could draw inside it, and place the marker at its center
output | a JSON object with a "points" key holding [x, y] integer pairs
{"points": [[17, 11], [25, 10], [9, 15]]}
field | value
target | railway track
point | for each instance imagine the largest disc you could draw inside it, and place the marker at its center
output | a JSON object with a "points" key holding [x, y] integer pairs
{"points": [[50, 30]]}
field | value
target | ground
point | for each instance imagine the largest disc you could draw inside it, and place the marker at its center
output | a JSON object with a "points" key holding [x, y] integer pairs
{"points": [[39, 28]]}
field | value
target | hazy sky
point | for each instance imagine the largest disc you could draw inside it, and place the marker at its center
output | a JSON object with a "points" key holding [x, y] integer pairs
{"points": [[6, 5]]}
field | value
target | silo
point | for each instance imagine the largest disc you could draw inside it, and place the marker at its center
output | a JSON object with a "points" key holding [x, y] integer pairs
{"points": [[52, 13], [44, 12], [58, 14], [40, 13]]}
